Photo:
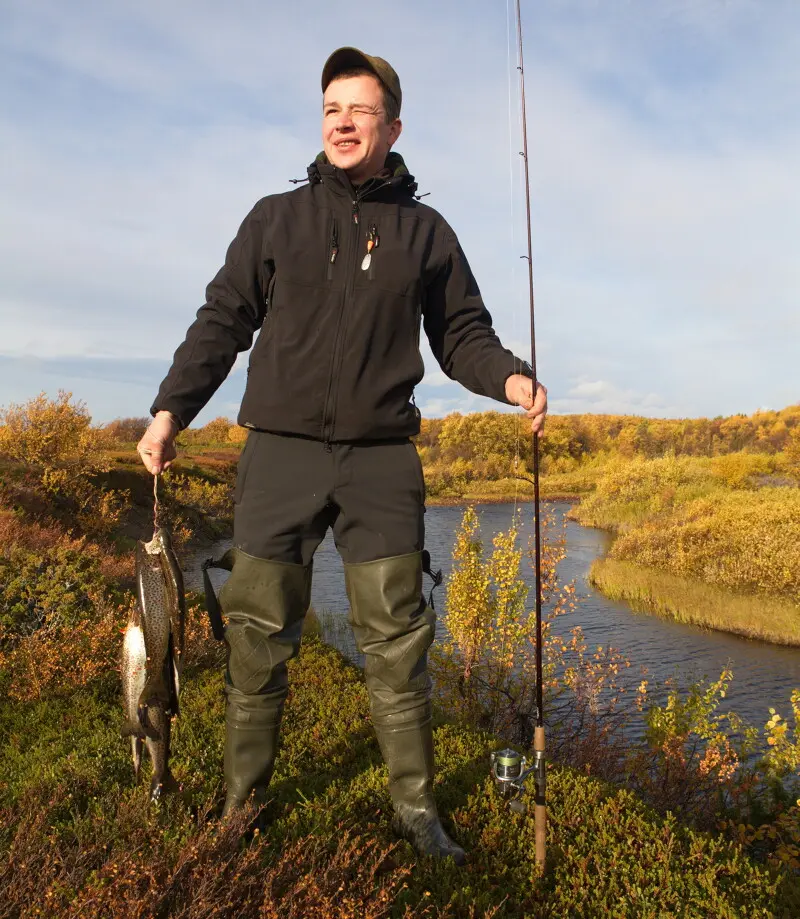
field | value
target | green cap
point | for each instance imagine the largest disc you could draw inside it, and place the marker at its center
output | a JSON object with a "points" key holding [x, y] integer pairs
{"points": [[347, 58]]}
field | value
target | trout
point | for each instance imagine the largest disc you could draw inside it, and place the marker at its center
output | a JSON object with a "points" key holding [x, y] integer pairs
{"points": [[152, 657]]}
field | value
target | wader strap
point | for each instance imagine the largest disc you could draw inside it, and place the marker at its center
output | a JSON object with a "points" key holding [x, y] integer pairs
{"points": [[212, 604], [436, 576]]}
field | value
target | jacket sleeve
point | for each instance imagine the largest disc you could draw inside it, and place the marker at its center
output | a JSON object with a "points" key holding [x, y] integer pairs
{"points": [[234, 310], [459, 327]]}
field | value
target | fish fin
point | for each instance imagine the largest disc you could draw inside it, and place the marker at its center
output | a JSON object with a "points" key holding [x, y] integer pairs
{"points": [[137, 745], [171, 677], [147, 729], [156, 690], [132, 729]]}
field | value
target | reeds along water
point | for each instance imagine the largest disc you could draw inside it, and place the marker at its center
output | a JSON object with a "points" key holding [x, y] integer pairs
{"points": [[649, 590]]}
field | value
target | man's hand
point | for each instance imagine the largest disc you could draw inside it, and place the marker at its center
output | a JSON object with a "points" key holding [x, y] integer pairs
{"points": [[519, 390], [157, 447]]}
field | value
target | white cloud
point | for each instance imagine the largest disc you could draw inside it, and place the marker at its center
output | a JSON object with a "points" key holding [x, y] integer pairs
{"points": [[604, 397]]}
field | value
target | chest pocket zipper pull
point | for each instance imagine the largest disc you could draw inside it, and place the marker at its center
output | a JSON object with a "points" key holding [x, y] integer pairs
{"points": [[373, 240], [334, 250]]}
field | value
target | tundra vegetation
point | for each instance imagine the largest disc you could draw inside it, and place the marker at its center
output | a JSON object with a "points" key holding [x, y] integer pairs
{"points": [[700, 817]]}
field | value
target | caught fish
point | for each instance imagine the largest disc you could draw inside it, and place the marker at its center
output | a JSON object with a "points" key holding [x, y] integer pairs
{"points": [[152, 657]]}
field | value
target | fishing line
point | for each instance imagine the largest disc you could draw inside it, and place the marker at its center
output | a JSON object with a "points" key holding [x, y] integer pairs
{"points": [[156, 503]]}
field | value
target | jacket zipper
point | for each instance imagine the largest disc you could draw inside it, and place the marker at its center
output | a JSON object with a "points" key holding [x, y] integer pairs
{"points": [[336, 357], [338, 351]]}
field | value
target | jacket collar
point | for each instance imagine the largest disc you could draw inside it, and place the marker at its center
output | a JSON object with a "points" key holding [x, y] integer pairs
{"points": [[394, 176]]}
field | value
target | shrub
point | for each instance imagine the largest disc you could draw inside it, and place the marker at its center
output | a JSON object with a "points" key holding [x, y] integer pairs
{"points": [[740, 540], [54, 436], [793, 451], [215, 432], [740, 470], [485, 670], [633, 490], [54, 441], [237, 434], [127, 430], [57, 586], [211, 498]]}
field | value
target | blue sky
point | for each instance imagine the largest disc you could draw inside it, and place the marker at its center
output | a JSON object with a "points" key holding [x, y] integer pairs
{"points": [[664, 151]]}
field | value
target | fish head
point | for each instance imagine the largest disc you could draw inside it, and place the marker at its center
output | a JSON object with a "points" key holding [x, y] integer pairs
{"points": [[161, 541]]}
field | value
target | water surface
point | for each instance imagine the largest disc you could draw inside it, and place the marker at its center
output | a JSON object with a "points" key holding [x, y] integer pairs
{"points": [[764, 674]]}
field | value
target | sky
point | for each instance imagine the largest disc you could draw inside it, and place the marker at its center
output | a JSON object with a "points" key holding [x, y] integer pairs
{"points": [[664, 154]]}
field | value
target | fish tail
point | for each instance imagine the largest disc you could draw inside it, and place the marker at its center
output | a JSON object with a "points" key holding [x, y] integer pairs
{"points": [[162, 785], [159, 753]]}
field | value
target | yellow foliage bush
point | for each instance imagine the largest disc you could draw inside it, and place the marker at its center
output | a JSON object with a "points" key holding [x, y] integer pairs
{"points": [[54, 436], [237, 434], [483, 434], [215, 432], [212, 498], [736, 539], [54, 441], [630, 491], [127, 430], [57, 660], [485, 670], [739, 470], [793, 451]]}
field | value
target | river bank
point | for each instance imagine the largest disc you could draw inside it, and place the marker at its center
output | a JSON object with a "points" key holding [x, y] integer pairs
{"points": [[709, 541], [647, 590]]}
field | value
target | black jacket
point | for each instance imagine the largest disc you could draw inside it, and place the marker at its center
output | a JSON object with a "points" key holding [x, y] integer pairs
{"points": [[338, 354]]}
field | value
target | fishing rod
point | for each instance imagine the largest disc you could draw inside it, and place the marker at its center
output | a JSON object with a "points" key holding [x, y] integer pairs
{"points": [[508, 767]]}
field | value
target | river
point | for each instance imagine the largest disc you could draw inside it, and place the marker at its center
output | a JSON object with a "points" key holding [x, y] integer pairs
{"points": [[764, 674]]}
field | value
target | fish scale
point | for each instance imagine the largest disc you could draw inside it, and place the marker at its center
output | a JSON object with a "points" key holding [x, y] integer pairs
{"points": [[155, 610]]}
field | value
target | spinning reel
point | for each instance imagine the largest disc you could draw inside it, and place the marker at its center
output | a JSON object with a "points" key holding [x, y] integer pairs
{"points": [[509, 774]]}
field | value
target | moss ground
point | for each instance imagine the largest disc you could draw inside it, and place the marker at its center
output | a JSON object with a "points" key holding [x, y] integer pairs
{"points": [[78, 837]]}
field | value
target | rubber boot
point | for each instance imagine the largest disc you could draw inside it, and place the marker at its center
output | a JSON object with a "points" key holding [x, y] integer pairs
{"points": [[252, 727], [393, 628], [264, 602]]}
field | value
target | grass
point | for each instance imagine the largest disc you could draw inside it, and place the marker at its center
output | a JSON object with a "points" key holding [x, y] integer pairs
{"points": [[77, 837], [651, 590]]}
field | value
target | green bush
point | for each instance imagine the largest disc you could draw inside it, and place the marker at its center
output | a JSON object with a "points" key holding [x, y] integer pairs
{"points": [[54, 586]]}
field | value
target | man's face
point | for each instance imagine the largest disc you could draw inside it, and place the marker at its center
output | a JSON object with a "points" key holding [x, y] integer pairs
{"points": [[355, 135]]}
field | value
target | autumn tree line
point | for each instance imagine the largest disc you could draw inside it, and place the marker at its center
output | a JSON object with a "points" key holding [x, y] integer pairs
{"points": [[491, 440]]}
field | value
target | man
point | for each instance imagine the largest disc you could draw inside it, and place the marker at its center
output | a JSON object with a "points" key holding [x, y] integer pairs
{"points": [[337, 275]]}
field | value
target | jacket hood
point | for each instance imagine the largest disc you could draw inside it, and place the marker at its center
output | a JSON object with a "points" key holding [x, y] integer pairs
{"points": [[394, 170]]}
